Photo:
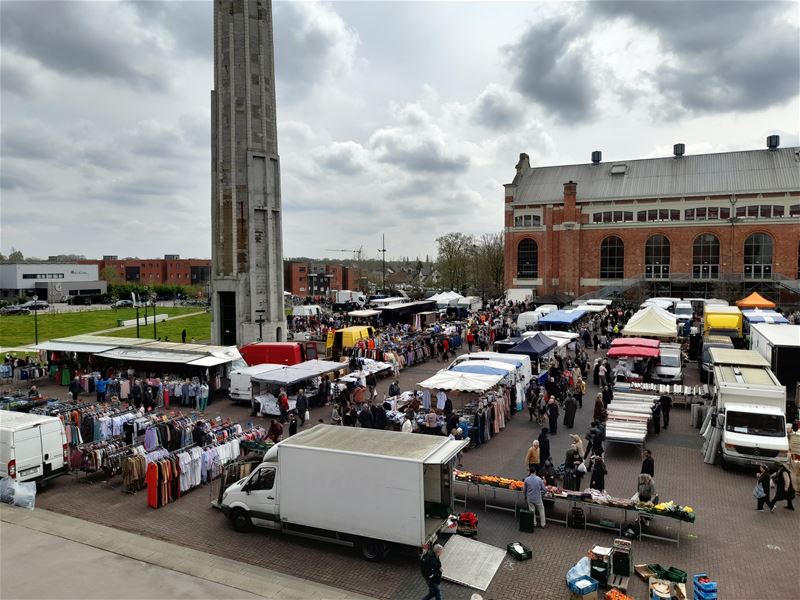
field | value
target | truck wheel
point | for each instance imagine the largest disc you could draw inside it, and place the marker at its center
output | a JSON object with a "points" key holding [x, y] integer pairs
{"points": [[241, 521], [373, 550]]}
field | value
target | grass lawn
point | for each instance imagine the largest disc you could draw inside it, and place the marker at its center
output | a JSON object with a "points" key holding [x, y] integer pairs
{"points": [[17, 330], [197, 327]]}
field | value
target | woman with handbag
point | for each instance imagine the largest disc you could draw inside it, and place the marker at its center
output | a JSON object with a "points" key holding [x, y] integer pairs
{"points": [[761, 491], [784, 488]]}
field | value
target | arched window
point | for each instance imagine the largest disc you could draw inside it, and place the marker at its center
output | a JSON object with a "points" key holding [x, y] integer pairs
{"points": [[705, 257], [656, 257], [758, 256], [612, 258], [528, 259]]}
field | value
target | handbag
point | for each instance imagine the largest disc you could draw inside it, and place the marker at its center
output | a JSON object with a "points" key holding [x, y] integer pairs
{"points": [[307, 416], [758, 491], [582, 469]]}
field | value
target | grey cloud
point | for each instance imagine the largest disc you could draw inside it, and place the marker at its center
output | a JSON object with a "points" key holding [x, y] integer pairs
{"points": [[313, 45], [497, 108], [14, 79], [80, 39], [347, 158], [417, 151], [550, 71], [30, 140], [728, 56], [187, 24], [15, 176]]}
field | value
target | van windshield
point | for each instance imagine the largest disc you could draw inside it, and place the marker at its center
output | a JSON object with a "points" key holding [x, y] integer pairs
{"points": [[755, 424], [670, 361]]}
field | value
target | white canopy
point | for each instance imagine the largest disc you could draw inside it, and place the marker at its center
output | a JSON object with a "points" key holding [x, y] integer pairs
{"points": [[651, 321], [462, 382]]}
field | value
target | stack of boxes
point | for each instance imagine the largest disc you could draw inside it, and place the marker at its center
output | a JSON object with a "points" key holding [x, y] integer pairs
{"points": [[704, 588]]}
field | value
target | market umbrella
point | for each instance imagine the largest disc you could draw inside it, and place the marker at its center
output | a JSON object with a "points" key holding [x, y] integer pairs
{"points": [[755, 300], [463, 382], [632, 352], [635, 341]]}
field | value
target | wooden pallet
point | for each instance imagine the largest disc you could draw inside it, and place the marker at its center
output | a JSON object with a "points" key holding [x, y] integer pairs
{"points": [[619, 582]]}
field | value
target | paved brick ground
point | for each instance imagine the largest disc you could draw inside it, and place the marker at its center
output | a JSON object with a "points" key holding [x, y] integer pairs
{"points": [[750, 554]]}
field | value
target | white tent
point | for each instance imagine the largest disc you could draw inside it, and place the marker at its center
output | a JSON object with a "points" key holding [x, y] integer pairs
{"points": [[462, 382], [651, 321]]}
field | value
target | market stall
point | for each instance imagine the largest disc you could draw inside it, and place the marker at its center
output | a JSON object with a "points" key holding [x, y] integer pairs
{"points": [[535, 346], [755, 300], [651, 322], [561, 319], [628, 417], [306, 375]]}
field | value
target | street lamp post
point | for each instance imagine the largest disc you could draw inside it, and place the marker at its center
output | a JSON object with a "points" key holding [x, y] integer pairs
{"points": [[36, 319], [154, 317]]}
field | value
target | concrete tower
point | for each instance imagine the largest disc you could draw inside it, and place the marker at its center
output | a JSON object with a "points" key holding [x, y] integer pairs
{"points": [[247, 246]]}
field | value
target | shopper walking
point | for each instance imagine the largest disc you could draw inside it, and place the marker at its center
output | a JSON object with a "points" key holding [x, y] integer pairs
{"points": [[784, 488], [599, 472], [599, 408], [533, 488], [100, 386], [532, 457], [580, 390], [431, 568], [544, 446], [570, 406], [574, 438], [301, 405], [761, 491], [75, 388], [648, 464], [283, 405], [666, 405], [552, 416]]}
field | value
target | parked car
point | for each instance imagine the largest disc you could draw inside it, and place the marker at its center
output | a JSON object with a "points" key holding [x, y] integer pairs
{"points": [[122, 304], [14, 309], [35, 305]]}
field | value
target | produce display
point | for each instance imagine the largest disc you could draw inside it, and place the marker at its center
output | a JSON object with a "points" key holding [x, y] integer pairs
{"points": [[615, 594], [669, 509]]}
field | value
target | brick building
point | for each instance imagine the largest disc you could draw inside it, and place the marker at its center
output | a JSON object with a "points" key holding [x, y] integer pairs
{"points": [[304, 279], [684, 225], [170, 270]]}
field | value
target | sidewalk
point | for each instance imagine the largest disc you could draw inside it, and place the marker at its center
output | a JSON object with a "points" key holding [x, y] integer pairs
{"points": [[94, 561]]}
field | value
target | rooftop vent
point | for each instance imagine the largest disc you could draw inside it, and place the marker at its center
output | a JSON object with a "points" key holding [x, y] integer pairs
{"points": [[773, 141], [619, 169], [597, 156], [678, 150]]}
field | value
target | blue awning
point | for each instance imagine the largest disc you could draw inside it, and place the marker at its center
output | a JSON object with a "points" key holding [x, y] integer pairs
{"points": [[765, 316], [470, 366]]}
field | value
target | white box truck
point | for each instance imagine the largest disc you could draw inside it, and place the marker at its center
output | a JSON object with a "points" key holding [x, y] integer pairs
{"points": [[750, 406], [32, 447], [780, 345], [362, 487], [345, 296], [241, 388]]}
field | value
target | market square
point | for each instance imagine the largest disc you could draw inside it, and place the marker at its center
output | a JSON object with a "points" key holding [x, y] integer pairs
{"points": [[517, 321]]}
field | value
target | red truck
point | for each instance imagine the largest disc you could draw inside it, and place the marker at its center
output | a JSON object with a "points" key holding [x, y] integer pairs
{"points": [[280, 353]]}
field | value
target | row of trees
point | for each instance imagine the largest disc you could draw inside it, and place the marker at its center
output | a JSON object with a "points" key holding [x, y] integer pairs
{"points": [[470, 264]]}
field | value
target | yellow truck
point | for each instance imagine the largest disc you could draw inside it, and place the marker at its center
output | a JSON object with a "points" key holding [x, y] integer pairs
{"points": [[723, 320], [338, 339]]}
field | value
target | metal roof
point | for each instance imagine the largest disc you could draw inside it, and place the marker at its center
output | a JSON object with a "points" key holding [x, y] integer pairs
{"points": [[355, 440], [729, 356], [692, 175]]}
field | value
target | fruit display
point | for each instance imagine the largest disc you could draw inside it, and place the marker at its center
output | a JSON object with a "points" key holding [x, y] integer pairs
{"points": [[669, 509], [491, 480], [615, 594]]}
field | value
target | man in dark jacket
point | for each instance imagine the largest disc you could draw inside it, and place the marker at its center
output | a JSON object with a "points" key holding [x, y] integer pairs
{"points": [[75, 388], [648, 464], [666, 406], [365, 416], [431, 568], [378, 416], [301, 405]]}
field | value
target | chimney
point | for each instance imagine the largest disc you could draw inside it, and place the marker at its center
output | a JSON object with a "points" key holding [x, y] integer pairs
{"points": [[678, 150], [570, 198], [597, 156], [773, 141]]}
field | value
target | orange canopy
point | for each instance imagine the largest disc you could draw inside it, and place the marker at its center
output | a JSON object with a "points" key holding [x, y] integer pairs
{"points": [[755, 300]]}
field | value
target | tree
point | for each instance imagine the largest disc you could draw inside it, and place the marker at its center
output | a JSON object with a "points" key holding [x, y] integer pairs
{"points": [[15, 256], [110, 275], [489, 265], [455, 259]]}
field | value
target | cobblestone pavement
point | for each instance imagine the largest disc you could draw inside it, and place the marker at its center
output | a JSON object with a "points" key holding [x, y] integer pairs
{"points": [[750, 554]]}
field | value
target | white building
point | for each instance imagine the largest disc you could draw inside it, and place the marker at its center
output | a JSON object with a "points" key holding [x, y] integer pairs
{"points": [[50, 281]]}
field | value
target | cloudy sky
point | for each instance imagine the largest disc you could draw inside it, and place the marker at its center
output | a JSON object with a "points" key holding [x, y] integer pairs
{"points": [[393, 117]]}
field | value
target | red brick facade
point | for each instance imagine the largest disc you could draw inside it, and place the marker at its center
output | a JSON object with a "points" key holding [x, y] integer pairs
{"points": [[170, 270], [568, 237]]}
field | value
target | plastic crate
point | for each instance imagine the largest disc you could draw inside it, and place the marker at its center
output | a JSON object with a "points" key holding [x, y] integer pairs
{"points": [[526, 553], [706, 588], [698, 595], [675, 575], [582, 591]]}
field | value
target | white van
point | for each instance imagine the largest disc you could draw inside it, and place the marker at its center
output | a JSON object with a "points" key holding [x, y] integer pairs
{"points": [[684, 310], [531, 318], [32, 447]]}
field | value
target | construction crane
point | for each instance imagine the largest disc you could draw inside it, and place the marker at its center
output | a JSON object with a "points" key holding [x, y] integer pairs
{"points": [[357, 253]]}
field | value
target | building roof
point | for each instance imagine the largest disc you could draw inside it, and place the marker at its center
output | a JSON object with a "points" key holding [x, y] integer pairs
{"points": [[749, 171]]}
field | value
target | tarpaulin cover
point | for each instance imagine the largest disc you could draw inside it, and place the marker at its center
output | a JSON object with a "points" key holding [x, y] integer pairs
{"points": [[765, 316], [632, 352], [563, 317], [463, 382], [535, 345], [650, 321], [484, 367], [755, 300]]}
